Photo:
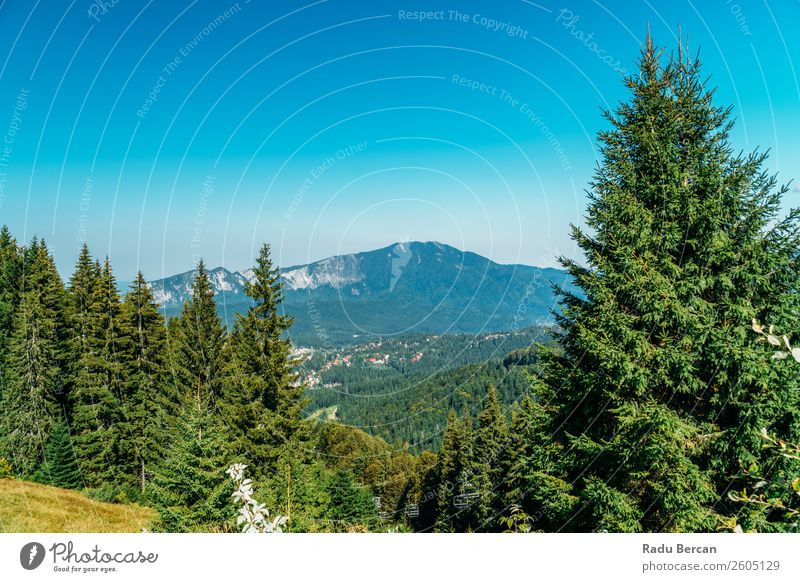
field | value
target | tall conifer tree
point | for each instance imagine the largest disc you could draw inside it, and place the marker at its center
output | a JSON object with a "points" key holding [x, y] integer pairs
{"points": [[98, 421], [150, 400], [264, 398], [81, 291], [190, 490], [59, 467], [10, 273], [491, 441], [456, 477], [200, 346], [34, 361], [659, 389]]}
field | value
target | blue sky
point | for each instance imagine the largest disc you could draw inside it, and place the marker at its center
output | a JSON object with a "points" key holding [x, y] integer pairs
{"points": [[161, 131]]}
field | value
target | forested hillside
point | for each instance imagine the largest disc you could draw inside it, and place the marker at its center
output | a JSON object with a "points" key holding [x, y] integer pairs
{"points": [[401, 389]]}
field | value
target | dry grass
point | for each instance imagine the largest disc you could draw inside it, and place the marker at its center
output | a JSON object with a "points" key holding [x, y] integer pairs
{"points": [[29, 507]]}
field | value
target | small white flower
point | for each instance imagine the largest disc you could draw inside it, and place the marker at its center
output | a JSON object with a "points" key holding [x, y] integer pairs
{"points": [[253, 516]]}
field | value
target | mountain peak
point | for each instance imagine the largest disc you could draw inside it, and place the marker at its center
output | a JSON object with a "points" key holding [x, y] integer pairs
{"points": [[407, 286]]}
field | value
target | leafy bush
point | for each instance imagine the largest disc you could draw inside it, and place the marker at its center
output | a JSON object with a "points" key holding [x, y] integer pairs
{"points": [[111, 493], [6, 470]]}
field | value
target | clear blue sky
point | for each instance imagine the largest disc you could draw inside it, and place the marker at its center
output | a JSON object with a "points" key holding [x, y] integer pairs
{"points": [[159, 131]]}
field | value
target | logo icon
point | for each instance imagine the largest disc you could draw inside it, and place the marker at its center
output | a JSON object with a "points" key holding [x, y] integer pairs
{"points": [[31, 555]]}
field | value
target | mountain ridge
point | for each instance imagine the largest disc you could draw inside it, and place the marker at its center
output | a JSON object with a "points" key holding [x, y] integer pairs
{"points": [[404, 287]]}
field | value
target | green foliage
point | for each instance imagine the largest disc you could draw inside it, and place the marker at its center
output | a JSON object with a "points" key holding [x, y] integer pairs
{"points": [[454, 474], [773, 500], [33, 368], [350, 504], [413, 408], [190, 489], [199, 346], [59, 466], [421, 489], [263, 399], [6, 470], [658, 386], [150, 399], [491, 442], [517, 521], [98, 421], [10, 279], [386, 470], [297, 490]]}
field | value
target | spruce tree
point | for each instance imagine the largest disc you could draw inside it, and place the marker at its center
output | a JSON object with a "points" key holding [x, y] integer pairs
{"points": [[264, 399], [200, 350], [80, 296], [59, 467], [98, 421], [10, 273], [456, 477], [190, 489], [36, 351], [491, 441], [658, 388], [421, 490], [150, 400], [528, 465], [350, 504]]}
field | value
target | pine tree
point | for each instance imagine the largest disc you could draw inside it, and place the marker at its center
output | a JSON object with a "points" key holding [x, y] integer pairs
{"points": [[491, 441], [658, 388], [150, 401], [81, 293], [190, 489], [200, 346], [34, 361], [456, 478], [10, 273], [528, 464], [80, 296], [350, 504], [264, 399], [98, 422], [59, 467], [421, 490]]}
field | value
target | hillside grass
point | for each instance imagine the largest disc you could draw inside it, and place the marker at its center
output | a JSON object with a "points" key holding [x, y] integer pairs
{"points": [[324, 414], [29, 507]]}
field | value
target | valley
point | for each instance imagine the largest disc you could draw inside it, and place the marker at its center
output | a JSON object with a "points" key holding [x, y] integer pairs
{"points": [[401, 389]]}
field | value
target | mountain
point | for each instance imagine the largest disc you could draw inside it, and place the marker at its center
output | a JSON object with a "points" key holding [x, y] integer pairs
{"points": [[406, 287]]}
